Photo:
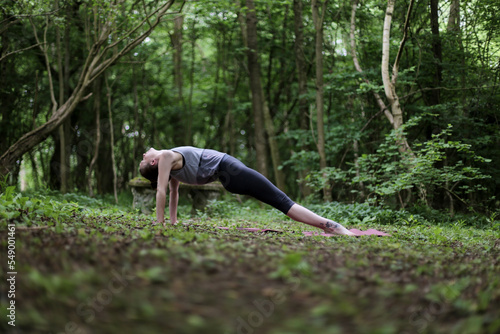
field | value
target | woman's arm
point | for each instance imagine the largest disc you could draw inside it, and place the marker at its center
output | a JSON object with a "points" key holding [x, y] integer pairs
{"points": [[165, 162], [173, 200]]}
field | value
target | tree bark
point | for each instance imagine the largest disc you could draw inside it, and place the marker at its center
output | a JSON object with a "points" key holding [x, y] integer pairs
{"points": [[390, 83], [300, 62], [97, 61], [256, 87], [112, 139], [454, 18], [437, 52], [390, 87], [178, 41], [97, 109], [273, 145], [189, 130], [64, 156], [354, 55], [454, 29], [230, 135], [270, 128], [318, 26]]}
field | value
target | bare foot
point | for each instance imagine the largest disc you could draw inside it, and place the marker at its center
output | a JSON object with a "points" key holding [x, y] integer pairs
{"points": [[335, 228]]}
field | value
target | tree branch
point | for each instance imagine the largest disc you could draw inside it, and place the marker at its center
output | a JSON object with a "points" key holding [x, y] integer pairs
{"points": [[379, 100], [47, 61], [395, 68], [18, 51], [105, 64], [92, 68]]}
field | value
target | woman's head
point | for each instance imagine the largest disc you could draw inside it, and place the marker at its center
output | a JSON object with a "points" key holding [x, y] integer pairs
{"points": [[149, 167]]}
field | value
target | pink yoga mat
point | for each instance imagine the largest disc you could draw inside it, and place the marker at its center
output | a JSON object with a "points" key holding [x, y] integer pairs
{"points": [[357, 232], [370, 231]]}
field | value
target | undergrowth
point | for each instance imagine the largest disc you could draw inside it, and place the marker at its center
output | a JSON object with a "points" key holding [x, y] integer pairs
{"points": [[88, 265]]}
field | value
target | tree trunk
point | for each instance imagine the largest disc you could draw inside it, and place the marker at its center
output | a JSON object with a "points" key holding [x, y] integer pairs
{"points": [[269, 126], [300, 62], [438, 54], [177, 41], [273, 145], [454, 29], [390, 83], [229, 136], [377, 97], [97, 109], [189, 130], [318, 26], [454, 18], [97, 61], [256, 88], [135, 145], [63, 142], [404, 148], [112, 140]]}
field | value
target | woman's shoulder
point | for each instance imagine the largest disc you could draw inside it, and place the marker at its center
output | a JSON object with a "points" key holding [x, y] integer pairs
{"points": [[173, 158], [168, 154]]}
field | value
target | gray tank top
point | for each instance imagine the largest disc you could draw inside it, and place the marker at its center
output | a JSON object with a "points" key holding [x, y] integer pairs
{"points": [[200, 165]]}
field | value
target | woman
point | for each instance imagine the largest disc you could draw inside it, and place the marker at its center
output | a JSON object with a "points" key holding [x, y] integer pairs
{"points": [[193, 165]]}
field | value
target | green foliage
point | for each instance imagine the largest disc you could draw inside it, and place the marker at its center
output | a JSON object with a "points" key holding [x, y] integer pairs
{"points": [[427, 168], [16, 207]]}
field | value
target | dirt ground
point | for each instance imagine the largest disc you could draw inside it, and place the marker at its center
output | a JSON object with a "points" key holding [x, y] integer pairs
{"points": [[104, 276]]}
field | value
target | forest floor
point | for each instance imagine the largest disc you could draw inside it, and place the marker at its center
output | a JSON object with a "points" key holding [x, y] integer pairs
{"points": [[101, 270]]}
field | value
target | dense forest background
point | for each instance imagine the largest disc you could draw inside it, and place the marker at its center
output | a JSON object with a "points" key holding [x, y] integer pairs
{"points": [[390, 102]]}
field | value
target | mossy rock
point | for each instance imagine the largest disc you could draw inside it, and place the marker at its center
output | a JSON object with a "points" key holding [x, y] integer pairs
{"points": [[139, 182]]}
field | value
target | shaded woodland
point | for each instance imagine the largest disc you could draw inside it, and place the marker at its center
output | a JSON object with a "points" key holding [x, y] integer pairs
{"points": [[386, 102]]}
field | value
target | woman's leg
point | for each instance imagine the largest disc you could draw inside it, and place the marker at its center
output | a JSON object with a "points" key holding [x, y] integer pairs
{"points": [[299, 213], [240, 179]]}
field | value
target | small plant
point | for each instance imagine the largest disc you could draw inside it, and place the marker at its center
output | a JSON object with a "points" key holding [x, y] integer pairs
{"points": [[40, 210]]}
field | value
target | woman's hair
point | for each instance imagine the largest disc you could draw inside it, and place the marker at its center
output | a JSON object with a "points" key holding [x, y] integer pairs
{"points": [[150, 173]]}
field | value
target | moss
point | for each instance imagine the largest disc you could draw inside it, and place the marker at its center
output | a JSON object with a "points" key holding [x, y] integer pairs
{"points": [[140, 182]]}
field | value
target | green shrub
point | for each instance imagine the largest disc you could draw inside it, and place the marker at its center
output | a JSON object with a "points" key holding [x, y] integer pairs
{"points": [[388, 174]]}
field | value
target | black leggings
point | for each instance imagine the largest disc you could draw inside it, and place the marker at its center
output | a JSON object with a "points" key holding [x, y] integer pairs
{"points": [[240, 179]]}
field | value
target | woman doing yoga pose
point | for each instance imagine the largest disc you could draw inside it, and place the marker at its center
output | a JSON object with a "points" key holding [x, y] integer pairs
{"points": [[193, 165]]}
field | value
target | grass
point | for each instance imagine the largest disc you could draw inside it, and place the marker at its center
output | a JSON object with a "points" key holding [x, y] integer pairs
{"points": [[86, 266]]}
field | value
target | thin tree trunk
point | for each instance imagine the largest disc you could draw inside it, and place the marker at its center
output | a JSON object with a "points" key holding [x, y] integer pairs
{"points": [[454, 29], [35, 170], [454, 18], [63, 157], [355, 148], [268, 122], [390, 87], [177, 41], [97, 109], [189, 132], [354, 55], [112, 139], [318, 26], [229, 138], [250, 30], [438, 53], [390, 83], [302, 83], [177, 38], [135, 149], [273, 145]]}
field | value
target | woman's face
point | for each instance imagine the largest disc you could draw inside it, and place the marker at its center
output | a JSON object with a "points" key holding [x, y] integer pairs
{"points": [[148, 157]]}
